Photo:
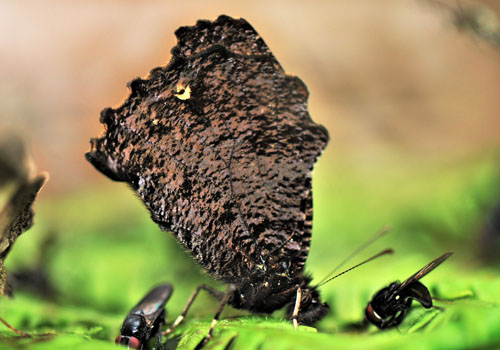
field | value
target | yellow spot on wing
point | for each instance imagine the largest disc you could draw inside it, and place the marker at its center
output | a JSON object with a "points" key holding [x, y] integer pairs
{"points": [[183, 92]]}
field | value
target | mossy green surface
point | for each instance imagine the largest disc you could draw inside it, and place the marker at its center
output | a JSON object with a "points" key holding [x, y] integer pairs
{"points": [[108, 254]]}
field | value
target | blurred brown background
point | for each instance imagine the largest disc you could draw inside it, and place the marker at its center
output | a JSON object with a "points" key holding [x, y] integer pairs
{"points": [[390, 79]]}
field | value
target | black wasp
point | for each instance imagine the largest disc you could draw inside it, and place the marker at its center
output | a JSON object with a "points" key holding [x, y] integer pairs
{"points": [[145, 319], [390, 305]]}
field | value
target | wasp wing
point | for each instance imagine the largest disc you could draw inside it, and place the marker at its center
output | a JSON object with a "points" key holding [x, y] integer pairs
{"points": [[424, 271]]}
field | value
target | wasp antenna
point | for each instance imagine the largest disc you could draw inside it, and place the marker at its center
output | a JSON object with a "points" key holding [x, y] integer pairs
{"points": [[384, 252], [358, 250]]}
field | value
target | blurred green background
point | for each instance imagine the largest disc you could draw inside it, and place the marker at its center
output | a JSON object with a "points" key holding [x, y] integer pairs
{"points": [[412, 107]]}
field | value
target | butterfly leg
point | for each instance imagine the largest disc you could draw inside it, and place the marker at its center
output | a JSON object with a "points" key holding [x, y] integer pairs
{"points": [[227, 295], [296, 309], [17, 331], [214, 292]]}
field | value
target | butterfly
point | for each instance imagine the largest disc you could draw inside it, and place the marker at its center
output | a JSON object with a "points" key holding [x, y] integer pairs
{"points": [[219, 146]]}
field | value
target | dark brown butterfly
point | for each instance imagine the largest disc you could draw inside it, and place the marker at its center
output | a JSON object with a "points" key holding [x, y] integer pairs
{"points": [[220, 147]]}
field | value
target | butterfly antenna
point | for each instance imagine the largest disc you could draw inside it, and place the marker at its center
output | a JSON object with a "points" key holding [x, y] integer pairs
{"points": [[384, 252], [362, 247]]}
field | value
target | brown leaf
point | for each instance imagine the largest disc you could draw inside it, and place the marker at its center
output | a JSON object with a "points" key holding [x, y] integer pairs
{"points": [[17, 214]]}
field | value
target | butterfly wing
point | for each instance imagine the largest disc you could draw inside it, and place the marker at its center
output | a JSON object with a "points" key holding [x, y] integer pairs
{"points": [[220, 146]]}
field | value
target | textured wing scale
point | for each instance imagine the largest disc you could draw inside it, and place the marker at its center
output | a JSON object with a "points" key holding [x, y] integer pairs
{"points": [[219, 145]]}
